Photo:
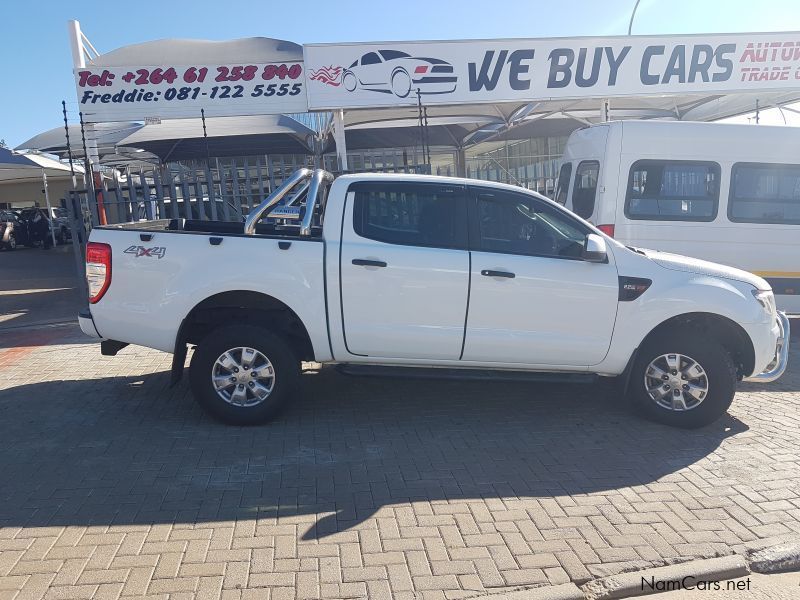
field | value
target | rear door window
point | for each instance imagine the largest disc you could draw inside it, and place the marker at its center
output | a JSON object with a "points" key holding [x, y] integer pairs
{"points": [[584, 191], [765, 193], [411, 214], [661, 190]]}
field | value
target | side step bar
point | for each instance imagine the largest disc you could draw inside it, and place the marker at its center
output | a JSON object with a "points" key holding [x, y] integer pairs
{"points": [[463, 374]]}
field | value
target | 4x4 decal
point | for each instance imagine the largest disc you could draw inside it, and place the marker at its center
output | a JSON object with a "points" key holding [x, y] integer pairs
{"points": [[155, 251]]}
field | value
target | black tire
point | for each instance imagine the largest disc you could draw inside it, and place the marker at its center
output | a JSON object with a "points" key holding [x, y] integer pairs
{"points": [[720, 377], [285, 365]]}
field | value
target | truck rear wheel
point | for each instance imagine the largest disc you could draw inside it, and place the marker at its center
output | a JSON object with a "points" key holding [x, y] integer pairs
{"points": [[683, 380], [243, 375]]}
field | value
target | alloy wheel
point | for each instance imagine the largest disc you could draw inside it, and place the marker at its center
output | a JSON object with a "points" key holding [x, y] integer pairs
{"points": [[676, 382], [243, 376]]}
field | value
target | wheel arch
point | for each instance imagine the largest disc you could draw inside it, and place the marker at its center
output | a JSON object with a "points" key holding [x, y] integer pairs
{"points": [[728, 332], [240, 306], [347, 72], [404, 71]]}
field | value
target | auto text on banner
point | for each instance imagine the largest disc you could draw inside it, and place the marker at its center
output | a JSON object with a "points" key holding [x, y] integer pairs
{"points": [[492, 71], [180, 91]]}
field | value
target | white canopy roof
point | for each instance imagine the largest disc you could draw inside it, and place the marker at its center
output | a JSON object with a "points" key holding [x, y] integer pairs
{"points": [[471, 124], [182, 51], [21, 168]]}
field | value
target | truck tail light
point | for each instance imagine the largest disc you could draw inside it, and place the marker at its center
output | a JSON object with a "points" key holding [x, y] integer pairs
{"points": [[98, 270], [607, 229]]}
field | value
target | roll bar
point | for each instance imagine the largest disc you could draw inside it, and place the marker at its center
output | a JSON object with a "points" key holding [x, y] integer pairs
{"points": [[317, 179], [302, 179]]}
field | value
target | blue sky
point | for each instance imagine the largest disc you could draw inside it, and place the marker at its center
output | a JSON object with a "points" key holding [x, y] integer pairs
{"points": [[35, 68]]}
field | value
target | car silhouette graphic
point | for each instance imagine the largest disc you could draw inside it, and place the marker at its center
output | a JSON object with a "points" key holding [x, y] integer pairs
{"points": [[398, 73]]}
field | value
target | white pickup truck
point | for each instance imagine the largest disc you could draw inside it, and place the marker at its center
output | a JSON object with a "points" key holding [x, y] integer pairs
{"points": [[404, 274]]}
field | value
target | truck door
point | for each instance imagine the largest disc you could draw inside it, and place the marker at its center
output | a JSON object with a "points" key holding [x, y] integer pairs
{"points": [[533, 300], [404, 270]]}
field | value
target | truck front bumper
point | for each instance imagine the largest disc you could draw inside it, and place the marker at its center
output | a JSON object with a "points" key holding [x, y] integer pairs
{"points": [[87, 324], [778, 365]]}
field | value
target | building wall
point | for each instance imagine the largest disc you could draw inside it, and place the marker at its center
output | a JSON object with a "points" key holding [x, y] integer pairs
{"points": [[30, 193]]}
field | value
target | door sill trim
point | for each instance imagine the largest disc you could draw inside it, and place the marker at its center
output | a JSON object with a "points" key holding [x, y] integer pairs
{"points": [[360, 370]]}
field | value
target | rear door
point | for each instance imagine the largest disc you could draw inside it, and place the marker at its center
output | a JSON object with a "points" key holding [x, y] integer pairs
{"points": [[404, 270]]}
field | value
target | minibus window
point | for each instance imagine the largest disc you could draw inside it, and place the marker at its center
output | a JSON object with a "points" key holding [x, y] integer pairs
{"points": [[660, 190], [765, 193], [585, 189], [562, 187]]}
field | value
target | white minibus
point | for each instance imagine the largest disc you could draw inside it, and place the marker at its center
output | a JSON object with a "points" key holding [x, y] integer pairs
{"points": [[723, 192]]}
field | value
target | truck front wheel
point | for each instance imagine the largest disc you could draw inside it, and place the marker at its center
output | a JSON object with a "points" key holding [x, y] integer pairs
{"points": [[243, 375], [683, 380]]}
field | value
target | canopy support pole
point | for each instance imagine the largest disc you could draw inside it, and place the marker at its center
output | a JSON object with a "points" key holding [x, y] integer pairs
{"points": [[461, 162], [339, 139], [76, 39], [605, 110], [49, 208]]}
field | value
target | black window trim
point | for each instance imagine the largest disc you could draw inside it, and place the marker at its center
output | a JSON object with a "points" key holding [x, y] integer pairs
{"points": [[574, 177], [778, 166], [474, 226], [384, 184], [629, 185]]}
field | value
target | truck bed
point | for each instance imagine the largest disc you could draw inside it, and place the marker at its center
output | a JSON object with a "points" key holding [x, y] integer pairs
{"points": [[161, 270]]}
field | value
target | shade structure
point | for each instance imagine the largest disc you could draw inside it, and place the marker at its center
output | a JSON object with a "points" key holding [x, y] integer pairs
{"points": [[183, 139], [22, 168], [468, 125], [107, 136], [186, 51]]}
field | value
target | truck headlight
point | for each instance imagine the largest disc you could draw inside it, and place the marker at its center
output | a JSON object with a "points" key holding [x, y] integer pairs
{"points": [[766, 299]]}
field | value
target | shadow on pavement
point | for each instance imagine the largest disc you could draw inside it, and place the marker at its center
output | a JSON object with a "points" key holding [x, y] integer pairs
{"points": [[38, 286], [30, 337], [129, 450]]}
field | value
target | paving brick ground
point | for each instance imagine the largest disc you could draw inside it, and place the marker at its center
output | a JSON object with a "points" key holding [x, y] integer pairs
{"points": [[114, 485]]}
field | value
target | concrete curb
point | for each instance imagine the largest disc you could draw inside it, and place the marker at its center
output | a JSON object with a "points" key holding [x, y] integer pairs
{"points": [[626, 585], [783, 557], [564, 591]]}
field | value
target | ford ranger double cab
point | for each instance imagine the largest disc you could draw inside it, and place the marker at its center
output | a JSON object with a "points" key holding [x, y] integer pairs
{"points": [[401, 273]]}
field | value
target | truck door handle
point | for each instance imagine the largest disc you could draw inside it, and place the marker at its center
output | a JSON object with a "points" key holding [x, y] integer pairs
{"points": [[490, 273], [365, 262]]}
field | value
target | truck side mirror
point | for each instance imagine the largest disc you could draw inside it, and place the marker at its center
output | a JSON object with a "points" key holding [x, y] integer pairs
{"points": [[594, 249]]}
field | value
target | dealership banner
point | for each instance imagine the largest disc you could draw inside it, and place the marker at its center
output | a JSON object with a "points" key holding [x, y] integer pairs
{"points": [[171, 91], [464, 72]]}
